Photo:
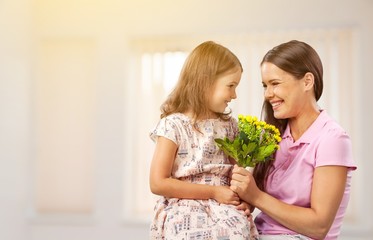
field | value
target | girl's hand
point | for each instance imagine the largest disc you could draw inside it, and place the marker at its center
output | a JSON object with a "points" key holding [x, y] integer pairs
{"points": [[247, 208], [223, 194]]}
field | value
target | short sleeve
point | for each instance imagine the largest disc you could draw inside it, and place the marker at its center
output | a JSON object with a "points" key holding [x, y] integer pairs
{"points": [[335, 149], [167, 128]]}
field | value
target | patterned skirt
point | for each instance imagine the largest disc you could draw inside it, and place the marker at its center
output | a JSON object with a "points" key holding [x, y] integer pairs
{"points": [[200, 219]]}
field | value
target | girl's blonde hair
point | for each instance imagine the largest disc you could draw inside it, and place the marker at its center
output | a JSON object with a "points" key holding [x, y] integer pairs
{"points": [[207, 62]]}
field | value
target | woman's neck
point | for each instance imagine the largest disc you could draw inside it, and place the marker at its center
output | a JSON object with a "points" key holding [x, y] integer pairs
{"points": [[300, 124]]}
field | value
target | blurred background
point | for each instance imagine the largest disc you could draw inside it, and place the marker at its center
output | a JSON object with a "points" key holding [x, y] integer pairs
{"points": [[81, 83]]}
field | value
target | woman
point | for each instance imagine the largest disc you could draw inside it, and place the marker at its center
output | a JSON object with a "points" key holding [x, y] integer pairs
{"points": [[304, 192]]}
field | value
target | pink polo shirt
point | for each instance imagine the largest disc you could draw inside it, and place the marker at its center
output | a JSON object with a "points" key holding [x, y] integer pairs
{"points": [[324, 143]]}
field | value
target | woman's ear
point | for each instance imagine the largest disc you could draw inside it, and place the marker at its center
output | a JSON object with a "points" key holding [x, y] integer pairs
{"points": [[309, 81]]}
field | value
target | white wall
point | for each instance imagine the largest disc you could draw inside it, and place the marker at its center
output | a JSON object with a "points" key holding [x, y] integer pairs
{"points": [[111, 25]]}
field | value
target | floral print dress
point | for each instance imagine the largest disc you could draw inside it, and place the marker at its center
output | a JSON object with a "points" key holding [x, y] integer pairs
{"points": [[198, 160]]}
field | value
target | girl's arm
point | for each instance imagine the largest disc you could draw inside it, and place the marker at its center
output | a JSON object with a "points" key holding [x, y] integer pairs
{"points": [[327, 192], [161, 182]]}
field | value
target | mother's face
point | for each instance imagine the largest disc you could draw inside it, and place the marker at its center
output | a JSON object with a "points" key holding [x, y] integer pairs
{"points": [[286, 94]]}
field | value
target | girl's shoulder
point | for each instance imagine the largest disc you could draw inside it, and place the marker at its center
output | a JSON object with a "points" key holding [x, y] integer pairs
{"points": [[171, 127], [176, 117], [184, 119], [175, 120]]}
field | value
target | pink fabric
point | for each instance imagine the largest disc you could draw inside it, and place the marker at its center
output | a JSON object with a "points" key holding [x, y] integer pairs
{"points": [[324, 143]]}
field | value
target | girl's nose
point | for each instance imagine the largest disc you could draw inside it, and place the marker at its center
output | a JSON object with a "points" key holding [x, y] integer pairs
{"points": [[234, 95]]}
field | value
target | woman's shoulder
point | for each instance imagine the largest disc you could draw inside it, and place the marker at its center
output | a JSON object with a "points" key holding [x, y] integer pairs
{"points": [[334, 146], [331, 126]]}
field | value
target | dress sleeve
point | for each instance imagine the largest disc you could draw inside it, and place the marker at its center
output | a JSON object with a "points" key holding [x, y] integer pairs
{"points": [[335, 149], [167, 128]]}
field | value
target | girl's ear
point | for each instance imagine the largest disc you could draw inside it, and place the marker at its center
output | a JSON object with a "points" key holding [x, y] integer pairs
{"points": [[309, 81]]}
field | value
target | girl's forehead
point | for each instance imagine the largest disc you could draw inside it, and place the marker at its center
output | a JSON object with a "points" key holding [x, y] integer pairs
{"points": [[233, 77]]}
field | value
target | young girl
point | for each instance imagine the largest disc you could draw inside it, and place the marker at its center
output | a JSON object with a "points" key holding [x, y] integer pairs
{"points": [[188, 169]]}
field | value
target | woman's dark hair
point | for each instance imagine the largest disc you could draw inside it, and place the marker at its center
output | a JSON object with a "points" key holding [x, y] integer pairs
{"points": [[296, 58]]}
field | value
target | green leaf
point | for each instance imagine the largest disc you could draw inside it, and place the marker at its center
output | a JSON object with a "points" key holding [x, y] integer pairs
{"points": [[250, 147], [227, 147], [237, 144], [265, 151], [243, 137]]}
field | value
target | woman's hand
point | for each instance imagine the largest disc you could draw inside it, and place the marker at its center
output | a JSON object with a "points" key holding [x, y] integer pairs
{"points": [[223, 194], [244, 185]]}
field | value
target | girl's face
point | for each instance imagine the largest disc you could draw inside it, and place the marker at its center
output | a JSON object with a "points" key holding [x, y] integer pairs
{"points": [[283, 91], [223, 91]]}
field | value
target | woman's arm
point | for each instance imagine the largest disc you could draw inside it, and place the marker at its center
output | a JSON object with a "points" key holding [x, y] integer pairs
{"points": [[161, 182], [327, 192]]}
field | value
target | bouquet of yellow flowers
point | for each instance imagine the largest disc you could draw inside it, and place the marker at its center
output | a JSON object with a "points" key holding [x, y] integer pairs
{"points": [[255, 143]]}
